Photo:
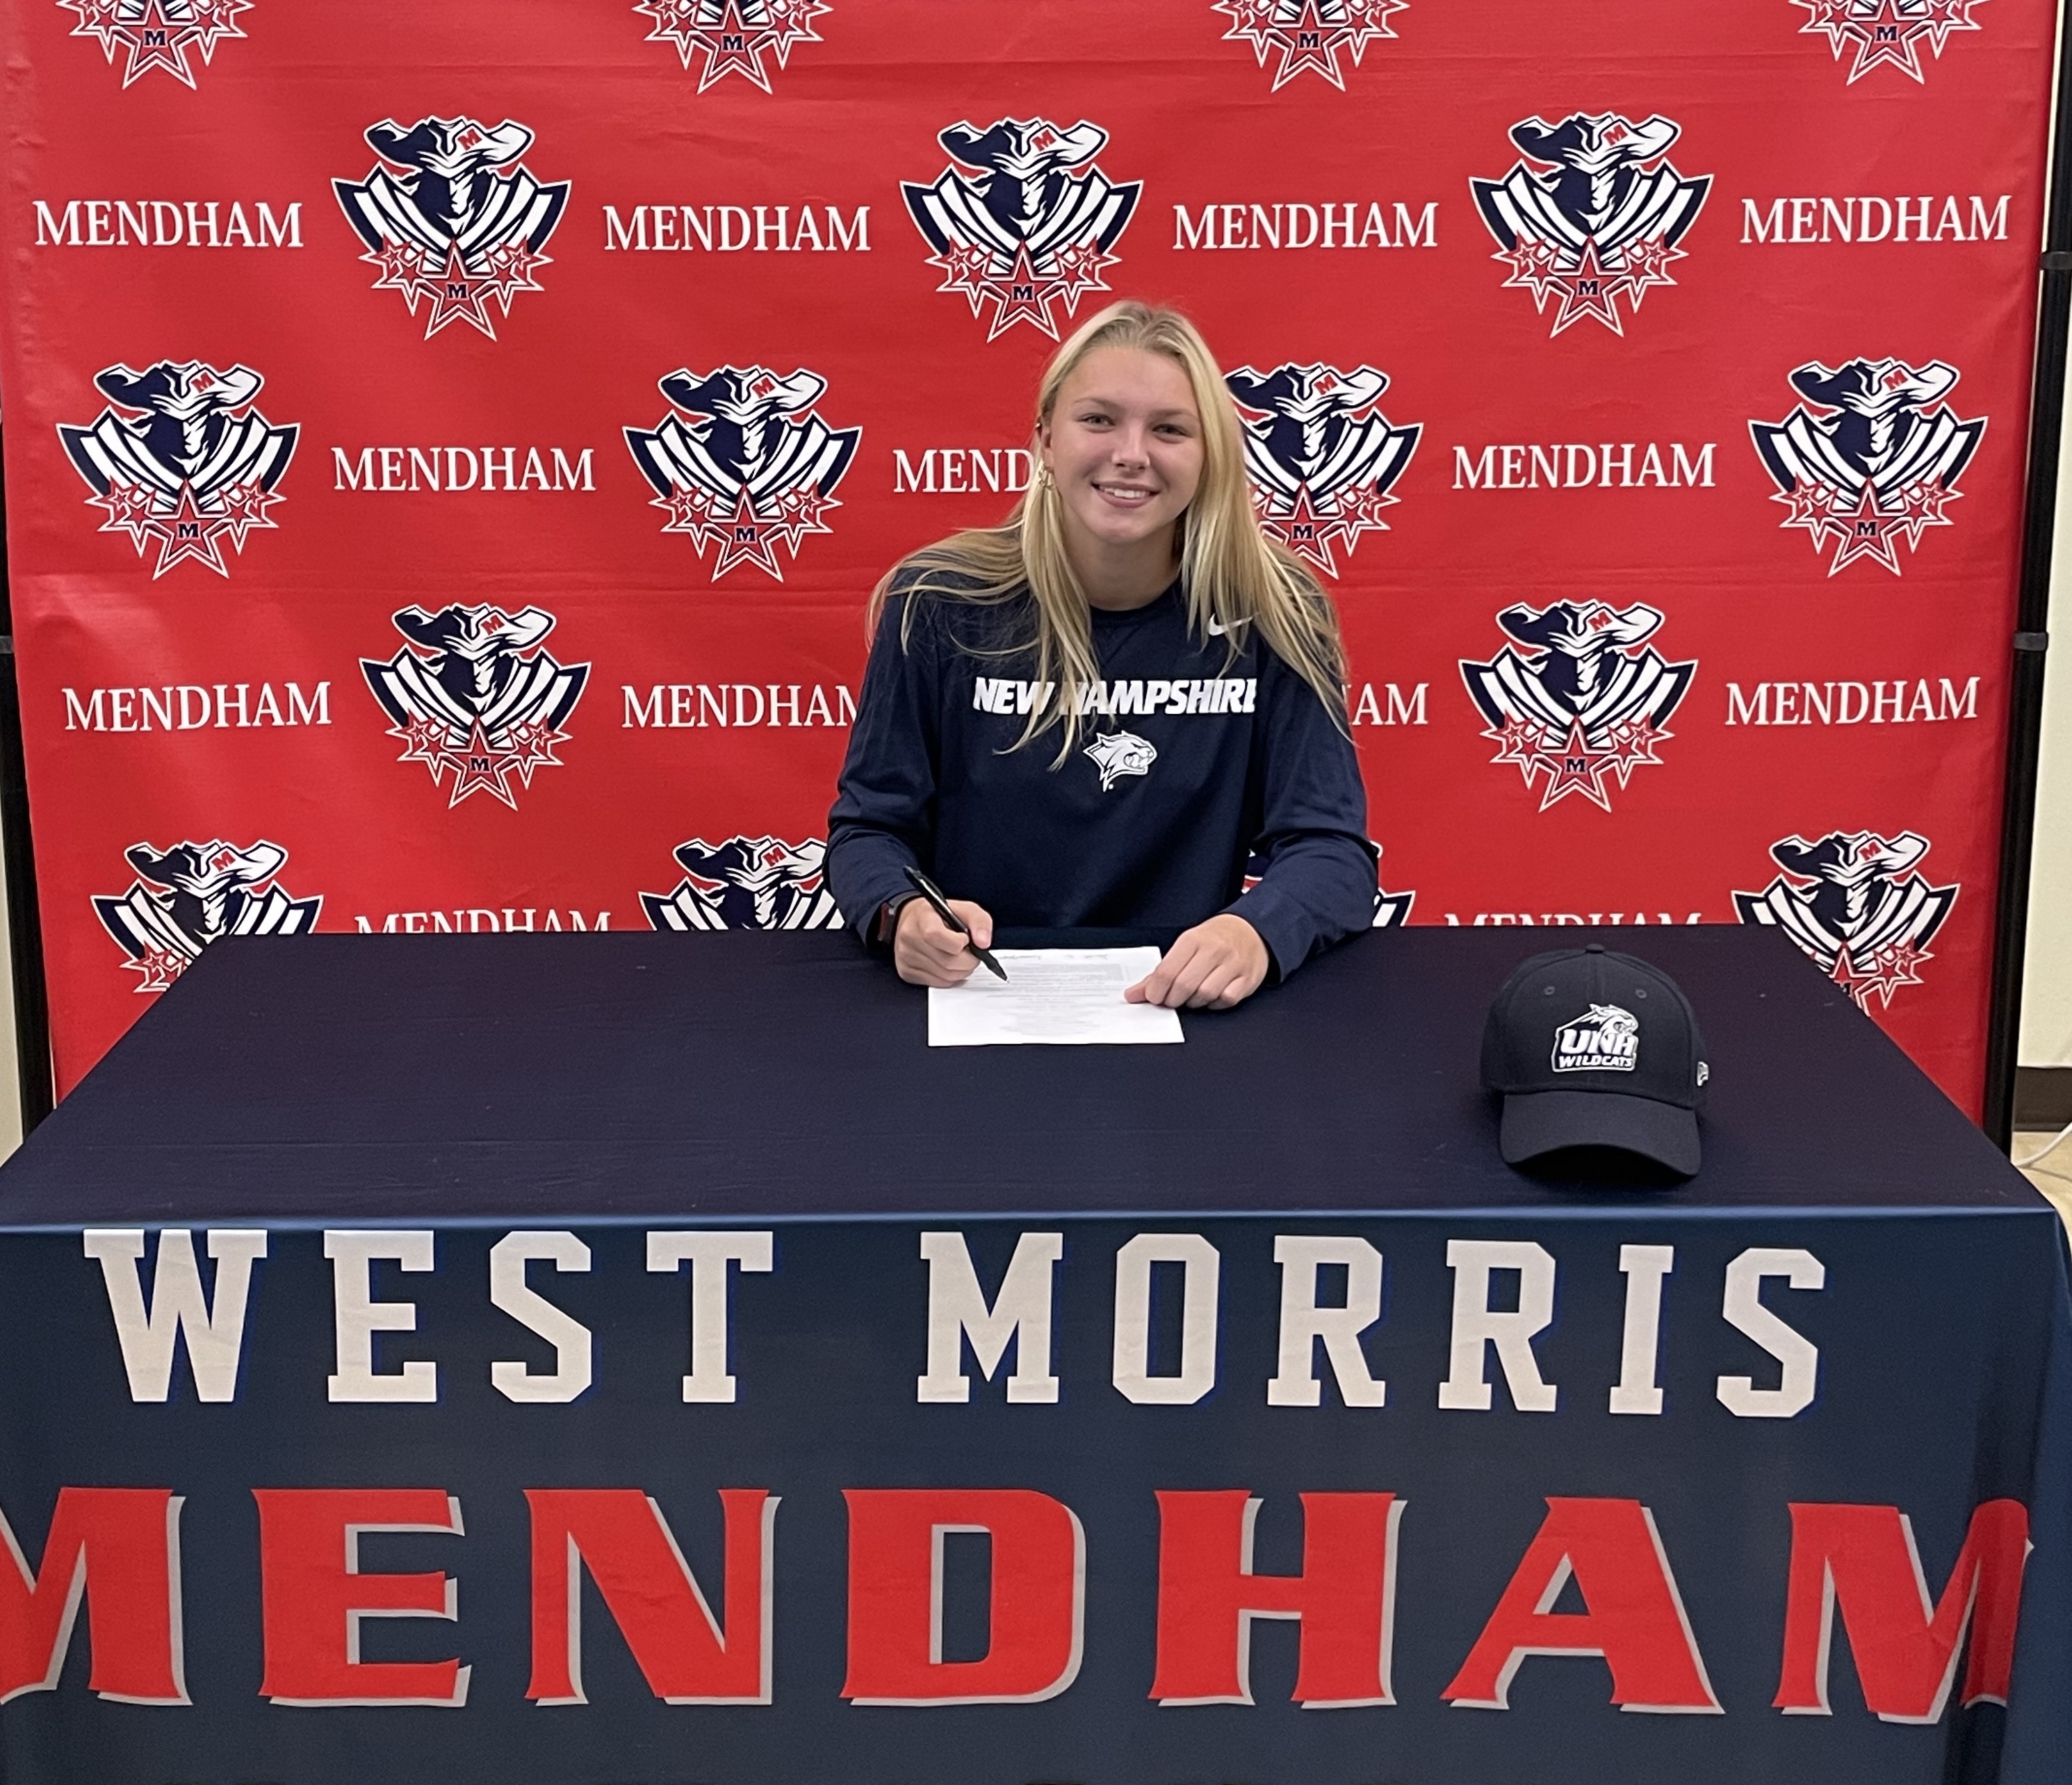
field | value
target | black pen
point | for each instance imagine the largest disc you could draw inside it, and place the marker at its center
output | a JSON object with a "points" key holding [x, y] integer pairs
{"points": [[929, 890]]}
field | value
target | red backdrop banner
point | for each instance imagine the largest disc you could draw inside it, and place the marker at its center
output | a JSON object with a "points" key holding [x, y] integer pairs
{"points": [[449, 447]]}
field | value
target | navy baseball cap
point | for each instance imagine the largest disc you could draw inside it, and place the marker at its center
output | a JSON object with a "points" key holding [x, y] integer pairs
{"points": [[1590, 1048]]}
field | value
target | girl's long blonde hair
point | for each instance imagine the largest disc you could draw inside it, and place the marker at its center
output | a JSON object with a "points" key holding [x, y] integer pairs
{"points": [[1231, 572]]}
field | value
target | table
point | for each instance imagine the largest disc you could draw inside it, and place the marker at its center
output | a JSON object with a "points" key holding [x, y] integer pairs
{"points": [[573, 1325]]}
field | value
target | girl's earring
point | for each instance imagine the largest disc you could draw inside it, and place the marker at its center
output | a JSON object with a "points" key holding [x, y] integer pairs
{"points": [[1043, 475]]}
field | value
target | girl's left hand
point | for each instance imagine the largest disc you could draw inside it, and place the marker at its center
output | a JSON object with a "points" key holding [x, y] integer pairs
{"points": [[1214, 965]]}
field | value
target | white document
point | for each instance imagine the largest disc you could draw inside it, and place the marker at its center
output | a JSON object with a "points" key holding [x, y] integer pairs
{"points": [[1061, 997]]}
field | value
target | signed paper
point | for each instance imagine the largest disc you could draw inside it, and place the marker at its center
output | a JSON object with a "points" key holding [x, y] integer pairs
{"points": [[1055, 997]]}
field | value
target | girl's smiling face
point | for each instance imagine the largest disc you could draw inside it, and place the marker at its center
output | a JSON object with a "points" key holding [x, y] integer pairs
{"points": [[1124, 445]]}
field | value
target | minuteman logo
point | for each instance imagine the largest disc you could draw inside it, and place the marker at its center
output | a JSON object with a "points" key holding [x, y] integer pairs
{"points": [[1321, 455], [460, 221], [1872, 458], [747, 883], [1604, 1039], [1584, 702], [157, 34], [473, 694], [733, 35], [1593, 214], [1854, 903], [1308, 35], [194, 894], [182, 459], [752, 468], [1029, 226], [1886, 33]]}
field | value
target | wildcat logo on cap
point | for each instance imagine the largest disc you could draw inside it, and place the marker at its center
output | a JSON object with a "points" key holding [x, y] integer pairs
{"points": [[181, 459], [747, 883], [1604, 1039], [1322, 456], [1031, 225], [733, 35], [1309, 34], [194, 894], [1593, 214], [1871, 462], [464, 221]]}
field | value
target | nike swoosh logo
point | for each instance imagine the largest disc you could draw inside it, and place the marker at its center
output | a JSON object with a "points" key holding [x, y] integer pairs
{"points": [[1217, 629]]}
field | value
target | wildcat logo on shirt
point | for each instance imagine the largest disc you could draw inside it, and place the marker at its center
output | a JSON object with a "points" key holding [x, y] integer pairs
{"points": [[1583, 702], [472, 694], [1308, 34], [1117, 753], [1031, 225], [747, 883], [157, 34], [733, 35], [460, 223], [1604, 1039], [1593, 214], [1870, 462], [1854, 903], [182, 459], [1886, 33], [1321, 455], [193, 894], [753, 467]]}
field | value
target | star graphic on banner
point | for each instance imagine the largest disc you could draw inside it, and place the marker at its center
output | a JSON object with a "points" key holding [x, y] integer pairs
{"points": [[731, 44], [479, 768], [967, 269], [1888, 35], [1645, 263], [1628, 745], [511, 265], [745, 537], [1921, 506], [1590, 291], [160, 967], [1307, 41], [1022, 298], [1867, 531], [800, 509], [458, 295], [1304, 534], [531, 745], [154, 41], [691, 511], [1306, 45], [1576, 768], [129, 508], [402, 267], [1518, 739], [1533, 264], [424, 741], [1359, 512], [244, 506], [188, 533], [1893, 967], [1811, 505], [1891, 33]]}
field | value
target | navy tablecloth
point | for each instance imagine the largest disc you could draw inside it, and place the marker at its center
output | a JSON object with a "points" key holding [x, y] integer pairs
{"points": [[1841, 1350]]}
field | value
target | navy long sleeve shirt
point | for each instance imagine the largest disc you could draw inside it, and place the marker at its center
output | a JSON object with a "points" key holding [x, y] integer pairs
{"points": [[1191, 761]]}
